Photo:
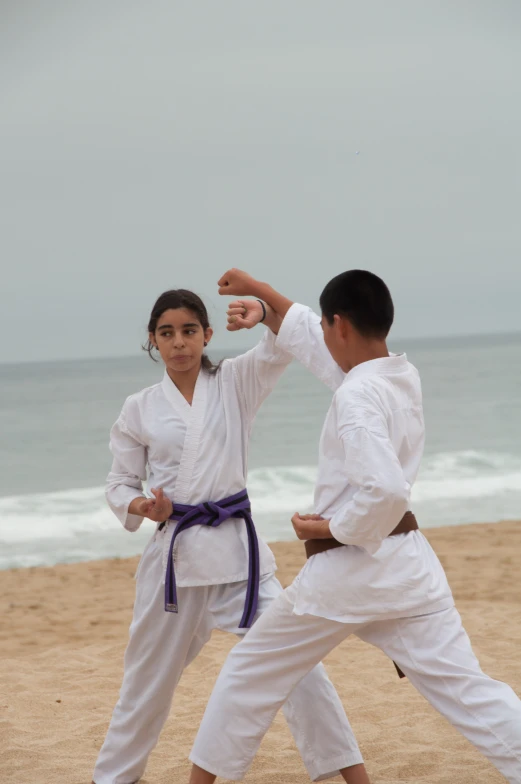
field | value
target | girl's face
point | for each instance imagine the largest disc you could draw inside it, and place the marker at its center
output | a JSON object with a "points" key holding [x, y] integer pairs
{"points": [[180, 338]]}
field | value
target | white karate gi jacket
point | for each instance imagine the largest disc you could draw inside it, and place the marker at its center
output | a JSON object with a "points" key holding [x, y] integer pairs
{"points": [[369, 455], [196, 453]]}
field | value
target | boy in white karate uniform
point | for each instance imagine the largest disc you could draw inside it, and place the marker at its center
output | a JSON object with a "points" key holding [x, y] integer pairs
{"points": [[386, 587]]}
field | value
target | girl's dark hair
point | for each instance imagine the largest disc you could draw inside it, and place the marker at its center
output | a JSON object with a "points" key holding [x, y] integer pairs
{"points": [[363, 298], [173, 300]]}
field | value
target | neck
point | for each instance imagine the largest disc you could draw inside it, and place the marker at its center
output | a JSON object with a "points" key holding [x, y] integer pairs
{"points": [[185, 381], [367, 350]]}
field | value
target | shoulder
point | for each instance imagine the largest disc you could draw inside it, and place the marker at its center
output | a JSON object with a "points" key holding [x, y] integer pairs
{"points": [[415, 373], [135, 403], [230, 368], [360, 403], [143, 395], [358, 392], [226, 365]]}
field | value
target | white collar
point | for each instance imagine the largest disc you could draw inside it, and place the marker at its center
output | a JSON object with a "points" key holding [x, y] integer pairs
{"points": [[383, 366], [178, 401]]}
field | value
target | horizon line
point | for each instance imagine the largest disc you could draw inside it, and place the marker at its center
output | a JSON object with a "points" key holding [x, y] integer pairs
{"points": [[240, 349]]}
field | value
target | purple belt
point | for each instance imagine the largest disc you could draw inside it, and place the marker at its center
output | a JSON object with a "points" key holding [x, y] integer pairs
{"points": [[212, 515]]}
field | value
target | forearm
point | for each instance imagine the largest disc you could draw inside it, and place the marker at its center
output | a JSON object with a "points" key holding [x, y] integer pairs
{"points": [[371, 514], [124, 501], [273, 321], [380, 492], [135, 506]]}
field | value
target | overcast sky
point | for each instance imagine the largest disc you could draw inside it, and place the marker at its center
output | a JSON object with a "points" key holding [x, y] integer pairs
{"points": [[151, 145]]}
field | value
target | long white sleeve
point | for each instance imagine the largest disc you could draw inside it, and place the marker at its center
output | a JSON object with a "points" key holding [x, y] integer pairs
{"points": [[125, 480], [258, 371], [301, 335], [381, 493]]}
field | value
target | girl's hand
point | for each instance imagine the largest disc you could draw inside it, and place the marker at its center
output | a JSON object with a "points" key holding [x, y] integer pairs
{"points": [[157, 509], [244, 314]]}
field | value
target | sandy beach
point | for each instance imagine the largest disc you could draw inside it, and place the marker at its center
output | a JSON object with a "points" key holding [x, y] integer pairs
{"points": [[64, 632]]}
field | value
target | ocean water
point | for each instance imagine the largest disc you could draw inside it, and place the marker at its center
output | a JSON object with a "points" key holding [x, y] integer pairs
{"points": [[55, 420]]}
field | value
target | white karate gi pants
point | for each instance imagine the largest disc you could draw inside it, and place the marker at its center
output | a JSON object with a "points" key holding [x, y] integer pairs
{"points": [[162, 644], [432, 650]]}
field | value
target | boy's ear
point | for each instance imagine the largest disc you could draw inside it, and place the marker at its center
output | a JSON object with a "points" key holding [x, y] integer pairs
{"points": [[346, 327]]}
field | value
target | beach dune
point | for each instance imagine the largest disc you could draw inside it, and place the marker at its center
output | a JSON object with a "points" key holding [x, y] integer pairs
{"points": [[64, 631]]}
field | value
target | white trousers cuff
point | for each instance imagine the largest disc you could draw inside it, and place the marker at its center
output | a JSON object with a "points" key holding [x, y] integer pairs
{"points": [[330, 769], [321, 770]]}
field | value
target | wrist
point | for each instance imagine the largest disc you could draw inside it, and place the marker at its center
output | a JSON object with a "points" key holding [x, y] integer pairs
{"points": [[264, 311], [135, 506], [278, 302], [273, 321], [322, 530], [167, 511]]}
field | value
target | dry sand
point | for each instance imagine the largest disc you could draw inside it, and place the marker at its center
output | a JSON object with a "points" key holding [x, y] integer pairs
{"points": [[64, 630]]}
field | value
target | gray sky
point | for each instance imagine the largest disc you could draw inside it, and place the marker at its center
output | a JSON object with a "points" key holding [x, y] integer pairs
{"points": [[153, 145]]}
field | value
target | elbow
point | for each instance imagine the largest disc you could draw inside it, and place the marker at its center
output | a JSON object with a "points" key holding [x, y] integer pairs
{"points": [[131, 523], [110, 497], [119, 504], [396, 496], [372, 514]]}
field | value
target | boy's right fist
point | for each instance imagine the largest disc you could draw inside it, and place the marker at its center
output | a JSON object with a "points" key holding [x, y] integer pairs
{"points": [[237, 283]]}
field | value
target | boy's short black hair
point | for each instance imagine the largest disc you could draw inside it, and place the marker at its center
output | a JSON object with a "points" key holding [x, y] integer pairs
{"points": [[361, 297]]}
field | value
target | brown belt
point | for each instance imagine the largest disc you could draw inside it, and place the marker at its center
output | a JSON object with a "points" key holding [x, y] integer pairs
{"points": [[314, 546]]}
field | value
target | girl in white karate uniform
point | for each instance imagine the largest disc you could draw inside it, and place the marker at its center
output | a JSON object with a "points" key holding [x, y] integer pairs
{"points": [[202, 569]]}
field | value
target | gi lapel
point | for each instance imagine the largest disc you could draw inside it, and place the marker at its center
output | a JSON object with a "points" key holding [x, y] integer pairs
{"points": [[192, 441]]}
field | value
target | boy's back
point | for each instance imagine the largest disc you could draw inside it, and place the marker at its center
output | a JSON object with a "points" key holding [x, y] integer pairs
{"points": [[387, 588], [369, 455]]}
